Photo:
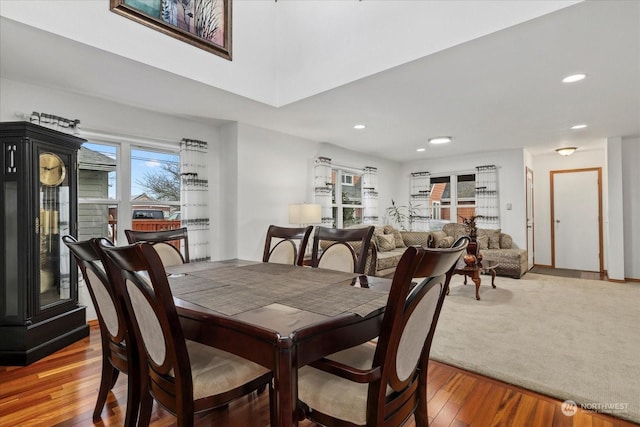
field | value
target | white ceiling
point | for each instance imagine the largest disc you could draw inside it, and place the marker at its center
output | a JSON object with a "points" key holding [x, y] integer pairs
{"points": [[495, 92]]}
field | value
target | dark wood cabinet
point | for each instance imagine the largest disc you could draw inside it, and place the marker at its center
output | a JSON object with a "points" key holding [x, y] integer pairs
{"points": [[39, 310]]}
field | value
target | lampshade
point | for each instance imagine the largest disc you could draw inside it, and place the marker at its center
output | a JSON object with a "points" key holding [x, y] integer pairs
{"points": [[566, 151], [305, 213]]}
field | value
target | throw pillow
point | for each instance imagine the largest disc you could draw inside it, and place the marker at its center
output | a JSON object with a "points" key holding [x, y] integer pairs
{"points": [[386, 242], [506, 242], [494, 238], [396, 234], [483, 241], [445, 242]]}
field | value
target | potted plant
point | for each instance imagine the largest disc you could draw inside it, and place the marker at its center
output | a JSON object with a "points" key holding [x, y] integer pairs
{"points": [[400, 214]]}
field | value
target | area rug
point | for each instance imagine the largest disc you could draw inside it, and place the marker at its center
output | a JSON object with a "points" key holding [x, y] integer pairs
{"points": [[572, 339]]}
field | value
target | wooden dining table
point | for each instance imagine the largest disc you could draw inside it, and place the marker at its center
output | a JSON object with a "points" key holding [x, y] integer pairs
{"points": [[279, 316]]}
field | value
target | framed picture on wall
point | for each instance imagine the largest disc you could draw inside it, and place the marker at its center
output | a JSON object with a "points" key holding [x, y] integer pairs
{"points": [[202, 23]]}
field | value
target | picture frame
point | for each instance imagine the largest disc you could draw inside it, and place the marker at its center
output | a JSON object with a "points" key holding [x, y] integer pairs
{"points": [[207, 24]]}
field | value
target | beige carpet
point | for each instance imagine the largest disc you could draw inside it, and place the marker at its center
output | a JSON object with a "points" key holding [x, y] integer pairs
{"points": [[567, 338]]}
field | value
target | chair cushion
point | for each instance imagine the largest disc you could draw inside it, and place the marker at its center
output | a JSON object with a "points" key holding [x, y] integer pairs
{"points": [[284, 252], [335, 396], [389, 259], [104, 302], [215, 371], [169, 255], [338, 257]]}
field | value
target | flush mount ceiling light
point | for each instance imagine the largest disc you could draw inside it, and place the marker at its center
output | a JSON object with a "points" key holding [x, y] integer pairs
{"points": [[359, 126], [574, 78], [419, 150], [566, 151], [578, 127], [440, 140]]}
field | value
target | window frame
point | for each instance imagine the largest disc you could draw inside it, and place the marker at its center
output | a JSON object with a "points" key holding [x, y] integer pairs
{"points": [[337, 204], [122, 200], [454, 199]]}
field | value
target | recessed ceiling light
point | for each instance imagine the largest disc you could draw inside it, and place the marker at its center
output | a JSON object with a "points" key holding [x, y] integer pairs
{"points": [[574, 78], [421, 149], [578, 127], [440, 140], [360, 126]]}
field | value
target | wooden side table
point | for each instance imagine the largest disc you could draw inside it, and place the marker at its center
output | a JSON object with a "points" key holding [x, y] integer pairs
{"points": [[486, 266]]}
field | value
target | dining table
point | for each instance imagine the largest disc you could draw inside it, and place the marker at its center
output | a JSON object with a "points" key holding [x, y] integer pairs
{"points": [[280, 316]]}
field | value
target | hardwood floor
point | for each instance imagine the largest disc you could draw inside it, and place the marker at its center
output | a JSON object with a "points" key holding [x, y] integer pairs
{"points": [[60, 390]]}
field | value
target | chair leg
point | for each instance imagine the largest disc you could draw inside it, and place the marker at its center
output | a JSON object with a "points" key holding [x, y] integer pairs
{"points": [[146, 405], [133, 401], [421, 414], [107, 380]]}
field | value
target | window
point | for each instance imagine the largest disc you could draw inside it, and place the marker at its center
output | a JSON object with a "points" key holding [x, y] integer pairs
{"points": [[347, 179], [155, 183], [347, 207], [149, 189], [453, 196], [97, 206]]}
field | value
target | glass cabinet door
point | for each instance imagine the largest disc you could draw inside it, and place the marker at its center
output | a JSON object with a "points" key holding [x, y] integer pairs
{"points": [[54, 220]]}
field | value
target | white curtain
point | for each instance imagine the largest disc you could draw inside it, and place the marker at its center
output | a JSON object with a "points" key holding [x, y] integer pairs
{"points": [[420, 201], [370, 195], [487, 201], [323, 189], [194, 197]]}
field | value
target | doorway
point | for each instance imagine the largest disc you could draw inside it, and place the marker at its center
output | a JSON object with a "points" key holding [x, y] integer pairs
{"points": [[529, 201], [576, 219]]}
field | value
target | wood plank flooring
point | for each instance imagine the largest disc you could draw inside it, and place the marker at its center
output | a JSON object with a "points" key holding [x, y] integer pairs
{"points": [[60, 390]]}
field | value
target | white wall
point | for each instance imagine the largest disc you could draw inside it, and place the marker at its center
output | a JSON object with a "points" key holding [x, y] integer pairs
{"points": [[276, 169], [631, 206], [250, 74], [510, 164], [545, 163]]}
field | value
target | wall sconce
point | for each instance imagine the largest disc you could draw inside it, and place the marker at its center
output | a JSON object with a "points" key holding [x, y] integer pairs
{"points": [[566, 151], [305, 213]]}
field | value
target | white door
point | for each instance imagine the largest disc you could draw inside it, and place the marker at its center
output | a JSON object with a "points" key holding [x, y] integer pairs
{"points": [[575, 216], [530, 217]]}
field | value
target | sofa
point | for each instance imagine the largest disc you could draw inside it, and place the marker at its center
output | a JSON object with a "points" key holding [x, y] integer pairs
{"points": [[389, 244]]}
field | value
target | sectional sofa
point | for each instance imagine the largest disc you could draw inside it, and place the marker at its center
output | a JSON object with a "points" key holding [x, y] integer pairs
{"points": [[389, 244]]}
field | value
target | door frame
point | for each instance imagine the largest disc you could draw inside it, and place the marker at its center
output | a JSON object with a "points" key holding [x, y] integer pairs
{"points": [[529, 172], [600, 233]]}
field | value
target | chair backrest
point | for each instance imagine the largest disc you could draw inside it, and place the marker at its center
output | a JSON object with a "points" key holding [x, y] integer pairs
{"points": [[281, 247], [107, 301], [138, 270], [407, 330], [341, 249], [163, 242]]}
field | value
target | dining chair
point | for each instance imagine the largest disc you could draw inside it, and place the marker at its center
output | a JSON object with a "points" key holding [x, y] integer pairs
{"points": [[384, 383], [184, 376], [119, 353], [285, 245], [343, 249], [163, 242]]}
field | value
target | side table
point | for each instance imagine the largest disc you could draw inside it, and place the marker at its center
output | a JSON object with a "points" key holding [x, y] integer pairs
{"points": [[486, 266]]}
